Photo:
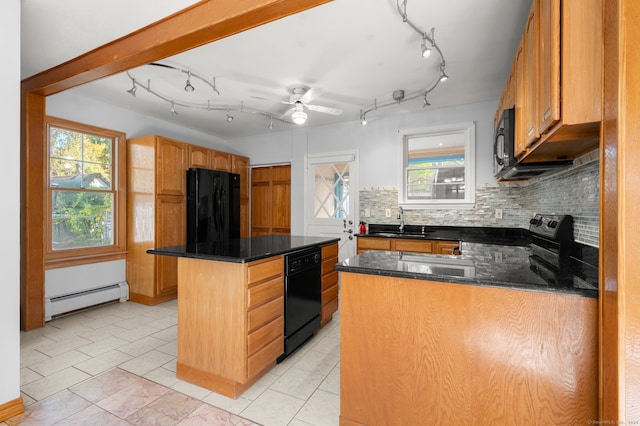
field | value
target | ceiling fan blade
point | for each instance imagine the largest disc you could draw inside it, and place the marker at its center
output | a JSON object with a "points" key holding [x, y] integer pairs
{"points": [[310, 95], [287, 113], [272, 100], [324, 109]]}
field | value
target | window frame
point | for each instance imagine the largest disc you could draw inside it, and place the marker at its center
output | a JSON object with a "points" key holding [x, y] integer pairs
{"points": [[468, 130], [87, 255]]}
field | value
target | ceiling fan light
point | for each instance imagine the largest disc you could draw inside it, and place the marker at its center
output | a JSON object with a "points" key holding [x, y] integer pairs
{"points": [[299, 117]]}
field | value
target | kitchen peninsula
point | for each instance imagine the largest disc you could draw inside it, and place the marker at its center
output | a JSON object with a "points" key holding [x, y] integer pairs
{"points": [[484, 337], [231, 306]]}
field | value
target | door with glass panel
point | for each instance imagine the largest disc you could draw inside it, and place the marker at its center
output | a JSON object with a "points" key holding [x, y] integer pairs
{"points": [[331, 198]]}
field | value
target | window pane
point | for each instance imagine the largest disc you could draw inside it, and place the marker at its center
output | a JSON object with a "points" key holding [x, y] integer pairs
{"points": [[331, 191], [65, 144], [81, 219]]}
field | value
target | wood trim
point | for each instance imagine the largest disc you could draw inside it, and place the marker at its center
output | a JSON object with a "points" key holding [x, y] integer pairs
{"points": [[84, 260], [151, 300], [11, 408], [32, 210], [619, 206], [202, 23]]}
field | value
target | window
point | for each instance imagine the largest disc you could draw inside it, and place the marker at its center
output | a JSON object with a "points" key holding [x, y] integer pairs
{"points": [[438, 167], [85, 194]]}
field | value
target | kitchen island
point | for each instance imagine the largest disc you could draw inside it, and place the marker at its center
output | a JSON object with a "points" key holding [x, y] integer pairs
{"points": [[231, 307], [480, 338]]}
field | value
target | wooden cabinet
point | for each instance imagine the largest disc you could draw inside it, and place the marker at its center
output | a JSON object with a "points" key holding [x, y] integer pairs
{"points": [[155, 215], [419, 352], [230, 322], [558, 81], [156, 208], [405, 244], [240, 165], [329, 282], [199, 157], [271, 200]]}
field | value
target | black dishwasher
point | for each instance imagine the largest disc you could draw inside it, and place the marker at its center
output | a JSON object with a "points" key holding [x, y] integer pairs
{"points": [[302, 297]]}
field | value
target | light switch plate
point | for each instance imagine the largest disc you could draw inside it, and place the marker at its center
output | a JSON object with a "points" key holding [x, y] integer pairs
{"points": [[387, 212], [498, 213]]}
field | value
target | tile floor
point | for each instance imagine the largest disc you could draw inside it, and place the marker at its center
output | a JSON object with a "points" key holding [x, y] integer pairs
{"points": [[115, 364]]}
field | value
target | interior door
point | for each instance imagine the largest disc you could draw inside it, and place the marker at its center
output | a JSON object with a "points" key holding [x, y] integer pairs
{"points": [[331, 198]]}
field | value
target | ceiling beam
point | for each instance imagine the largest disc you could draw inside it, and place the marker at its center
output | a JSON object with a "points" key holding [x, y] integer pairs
{"points": [[197, 25]]}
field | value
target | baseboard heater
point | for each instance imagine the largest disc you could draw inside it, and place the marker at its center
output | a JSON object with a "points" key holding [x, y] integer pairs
{"points": [[83, 299]]}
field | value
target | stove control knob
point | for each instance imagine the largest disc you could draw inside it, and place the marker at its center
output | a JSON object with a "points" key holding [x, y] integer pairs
{"points": [[533, 221], [552, 223]]}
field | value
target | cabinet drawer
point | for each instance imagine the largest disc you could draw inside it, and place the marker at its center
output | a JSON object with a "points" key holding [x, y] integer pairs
{"points": [[262, 336], [374, 244], [328, 264], [330, 293], [329, 280], [264, 357], [330, 250], [261, 293], [262, 270], [445, 247], [413, 245], [265, 313]]}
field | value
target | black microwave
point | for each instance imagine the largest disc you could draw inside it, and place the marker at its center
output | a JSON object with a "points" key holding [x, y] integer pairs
{"points": [[505, 165]]}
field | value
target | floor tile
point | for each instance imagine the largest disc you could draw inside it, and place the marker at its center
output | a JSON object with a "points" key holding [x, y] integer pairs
{"points": [[162, 376], [131, 335], [27, 400], [273, 408], [62, 346], [328, 345], [103, 321], [235, 406], [318, 362], [260, 386], [58, 362], [31, 356], [103, 362], [141, 346], [191, 389], [212, 416], [105, 385], [332, 382], [168, 409], [54, 383], [169, 334], [101, 333], [322, 409], [134, 322], [164, 323], [132, 398], [102, 346], [298, 383], [27, 376], [93, 415], [146, 362], [52, 410]]}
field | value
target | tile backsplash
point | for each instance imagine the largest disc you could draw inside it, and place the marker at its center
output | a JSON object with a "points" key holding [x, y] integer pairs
{"points": [[574, 191]]}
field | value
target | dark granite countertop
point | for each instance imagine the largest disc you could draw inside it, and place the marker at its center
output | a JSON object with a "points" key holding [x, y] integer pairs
{"points": [[243, 250], [501, 257]]}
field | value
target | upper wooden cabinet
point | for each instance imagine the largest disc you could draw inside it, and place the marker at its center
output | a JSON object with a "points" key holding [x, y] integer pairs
{"points": [[558, 81], [240, 165], [170, 166], [199, 157], [221, 161]]}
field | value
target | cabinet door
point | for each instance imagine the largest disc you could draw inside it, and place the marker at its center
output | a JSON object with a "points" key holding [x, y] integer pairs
{"points": [[519, 143], [240, 165], [199, 156], [549, 87], [445, 247], [531, 77], [170, 230], [170, 167], [222, 161]]}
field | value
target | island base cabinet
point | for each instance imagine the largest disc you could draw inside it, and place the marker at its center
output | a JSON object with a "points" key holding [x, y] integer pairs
{"points": [[230, 322], [416, 352]]}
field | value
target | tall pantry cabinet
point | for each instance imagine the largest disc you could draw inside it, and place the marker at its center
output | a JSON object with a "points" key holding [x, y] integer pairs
{"points": [[156, 209]]}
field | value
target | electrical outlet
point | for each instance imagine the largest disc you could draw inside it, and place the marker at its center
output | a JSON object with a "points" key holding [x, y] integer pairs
{"points": [[367, 212], [498, 257], [387, 212], [498, 213]]}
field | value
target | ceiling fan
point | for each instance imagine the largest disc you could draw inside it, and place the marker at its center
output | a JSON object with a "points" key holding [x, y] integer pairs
{"points": [[299, 97]]}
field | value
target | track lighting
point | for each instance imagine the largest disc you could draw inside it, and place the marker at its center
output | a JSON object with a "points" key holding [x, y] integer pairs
{"points": [[133, 89], [229, 118], [426, 50], [189, 87], [299, 116], [363, 118], [443, 76], [270, 127], [173, 109]]}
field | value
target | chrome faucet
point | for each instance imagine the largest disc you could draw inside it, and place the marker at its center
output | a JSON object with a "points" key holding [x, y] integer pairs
{"points": [[401, 217]]}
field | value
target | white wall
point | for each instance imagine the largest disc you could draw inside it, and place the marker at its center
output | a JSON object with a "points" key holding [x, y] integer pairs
{"points": [[377, 144], [10, 211], [85, 110]]}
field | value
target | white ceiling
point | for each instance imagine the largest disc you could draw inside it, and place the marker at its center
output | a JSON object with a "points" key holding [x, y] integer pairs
{"points": [[351, 52]]}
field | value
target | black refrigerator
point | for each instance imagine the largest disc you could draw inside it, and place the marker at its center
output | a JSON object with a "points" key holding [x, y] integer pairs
{"points": [[213, 206]]}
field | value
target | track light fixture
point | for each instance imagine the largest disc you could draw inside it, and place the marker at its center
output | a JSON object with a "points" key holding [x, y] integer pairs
{"points": [[270, 127], [427, 47], [189, 87], [299, 116], [363, 118], [133, 89]]}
